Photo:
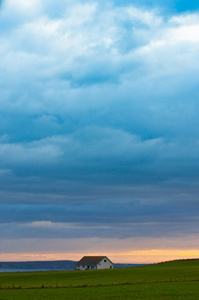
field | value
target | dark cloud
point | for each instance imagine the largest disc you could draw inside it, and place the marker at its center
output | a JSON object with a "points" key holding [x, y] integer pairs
{"points": [[104, 218], [102, 212]]}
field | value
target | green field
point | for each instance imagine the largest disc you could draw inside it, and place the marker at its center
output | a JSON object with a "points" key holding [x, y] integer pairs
{"points": [[171, 280]]}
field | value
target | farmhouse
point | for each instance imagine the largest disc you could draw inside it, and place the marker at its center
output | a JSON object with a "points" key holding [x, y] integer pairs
{"points": [[94, 262]]}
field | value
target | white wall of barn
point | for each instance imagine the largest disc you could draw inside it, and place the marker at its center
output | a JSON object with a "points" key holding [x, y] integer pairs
{"points": [[105, 263]]}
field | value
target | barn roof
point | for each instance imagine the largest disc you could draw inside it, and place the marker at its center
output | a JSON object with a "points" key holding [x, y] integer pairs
{"points": [[90, 260]]}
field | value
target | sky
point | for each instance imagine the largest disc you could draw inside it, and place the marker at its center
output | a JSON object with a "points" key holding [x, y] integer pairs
{"points": [[99, 140]]}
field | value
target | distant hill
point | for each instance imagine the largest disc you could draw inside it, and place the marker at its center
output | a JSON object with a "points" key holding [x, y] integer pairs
{"points": [[39, 265], [48, 265]]}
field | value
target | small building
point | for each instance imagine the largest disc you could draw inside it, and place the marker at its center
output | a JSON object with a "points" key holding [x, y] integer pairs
{"points": [[94, 262]]}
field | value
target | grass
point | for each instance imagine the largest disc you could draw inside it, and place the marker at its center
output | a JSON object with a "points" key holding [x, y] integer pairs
{"points": [[171, 280], [163, 291]]}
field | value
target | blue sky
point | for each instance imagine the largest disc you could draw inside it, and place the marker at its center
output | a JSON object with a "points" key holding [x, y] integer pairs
{"points": [[173, 6], [99, 142]]}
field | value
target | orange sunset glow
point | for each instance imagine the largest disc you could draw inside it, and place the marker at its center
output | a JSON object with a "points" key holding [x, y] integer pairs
{"points": [[137, 257]]}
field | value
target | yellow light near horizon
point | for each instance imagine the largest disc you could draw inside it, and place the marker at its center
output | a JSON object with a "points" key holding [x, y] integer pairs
{"points": [[138, 256], [154, 252]]}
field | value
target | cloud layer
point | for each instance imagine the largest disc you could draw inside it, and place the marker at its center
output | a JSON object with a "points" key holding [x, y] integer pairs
{"points": [[98, 119]]}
